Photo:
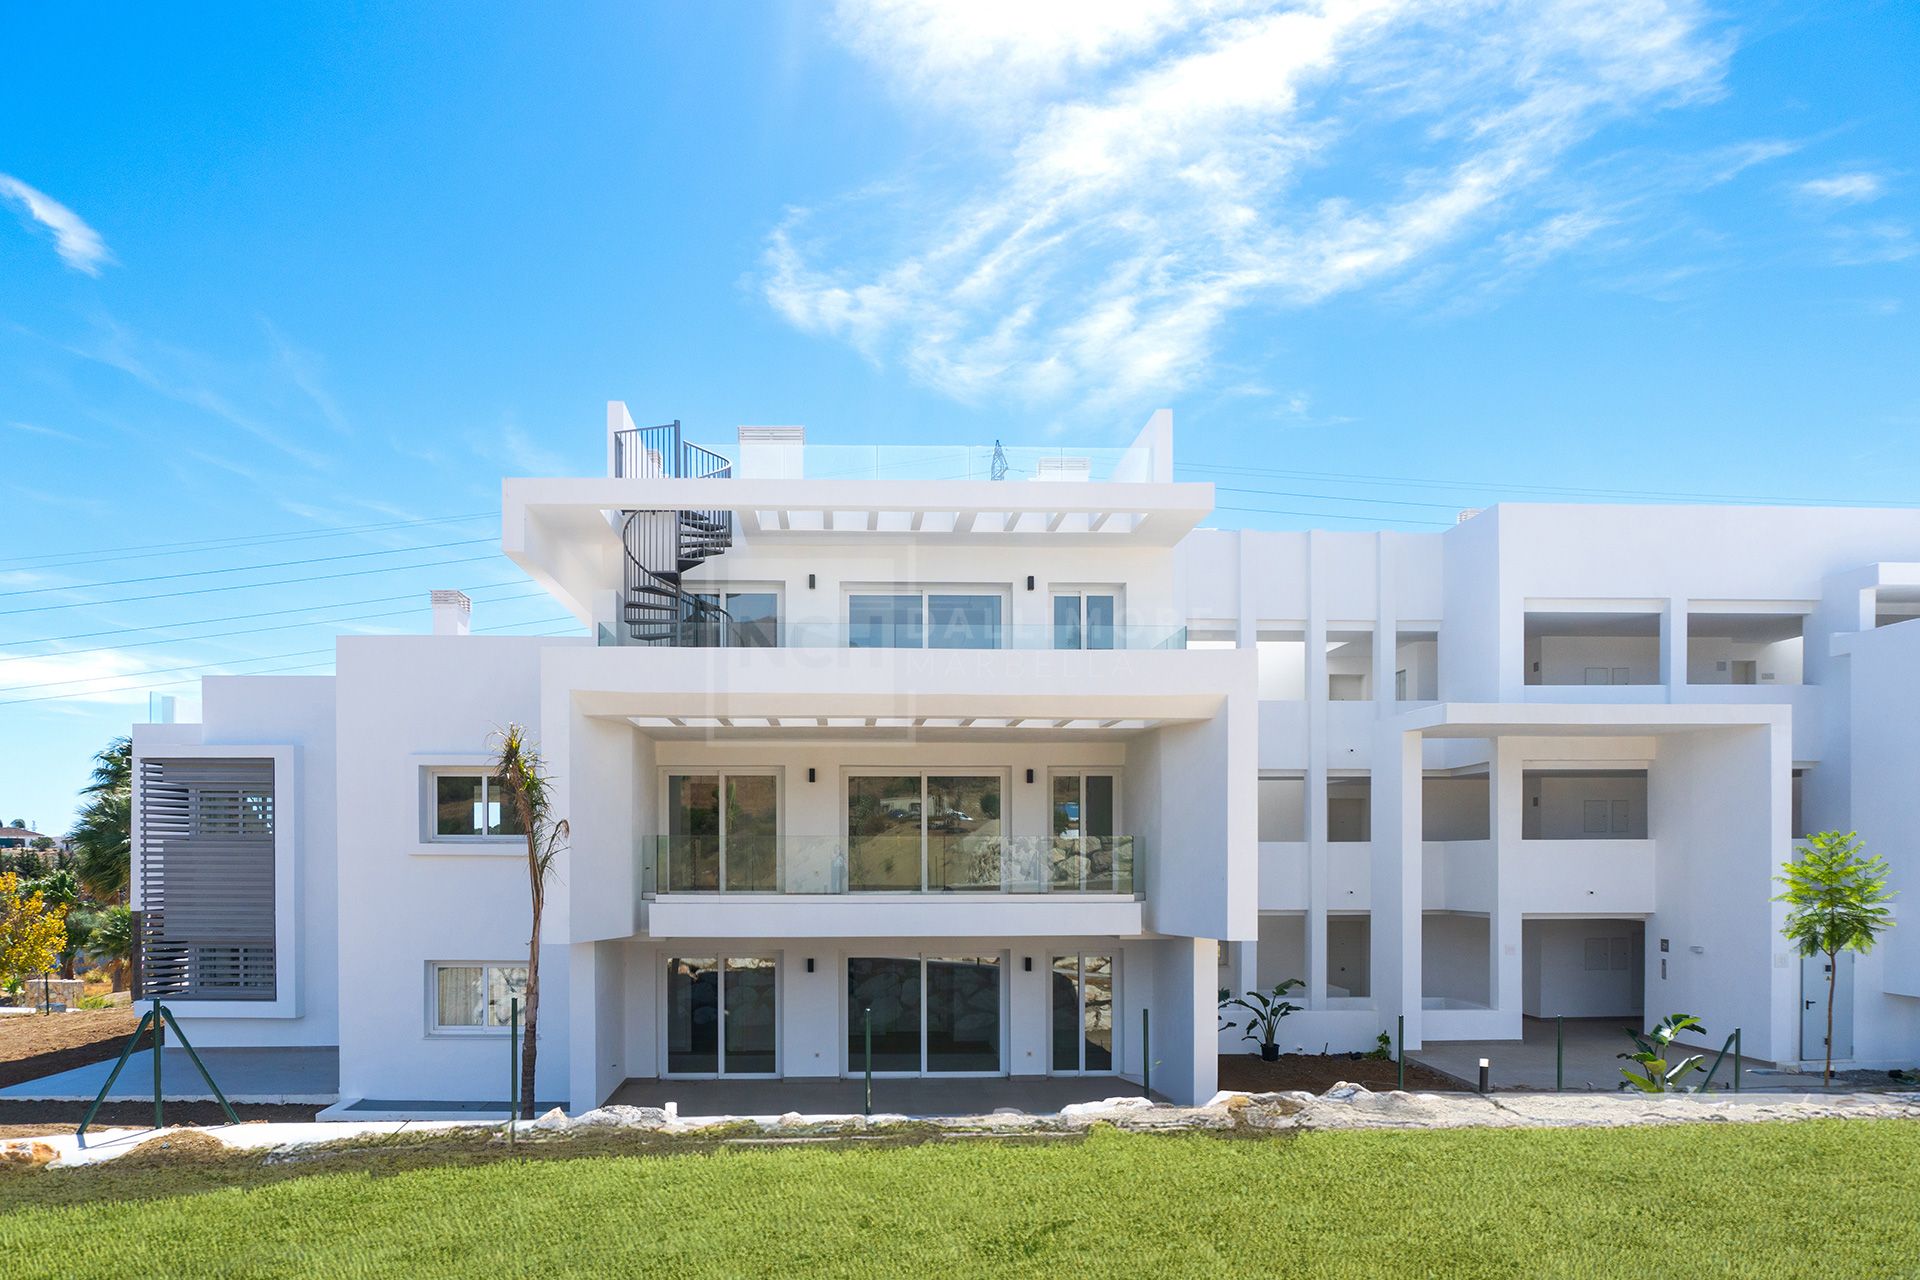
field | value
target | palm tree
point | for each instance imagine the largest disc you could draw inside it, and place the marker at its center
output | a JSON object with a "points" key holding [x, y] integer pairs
{"points": [[103, 845], [523, 781], [112, 941], [103, 837]]}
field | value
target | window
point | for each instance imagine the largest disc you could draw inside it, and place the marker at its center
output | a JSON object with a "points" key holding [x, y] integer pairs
{"points": [[1082, 995], [476, 998], [721, 1016], [926, 1015], [711, 846], [929, 620], [906, 832], [469, 806], [1084, 619], [752, 620], [1085, 843]]}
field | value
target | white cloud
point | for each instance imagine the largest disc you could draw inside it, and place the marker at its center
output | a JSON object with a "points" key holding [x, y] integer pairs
{"points": [[1155, 169], [1845, 188], [78, 244], [99, 676]]}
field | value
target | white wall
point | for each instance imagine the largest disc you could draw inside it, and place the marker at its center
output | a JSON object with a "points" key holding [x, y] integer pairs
{"points": [[1556, 805], [1456, 957], [1559, 981], [405, 702]]}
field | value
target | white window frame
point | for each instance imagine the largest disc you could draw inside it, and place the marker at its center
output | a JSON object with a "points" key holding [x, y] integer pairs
{"points": [[1004, 775], [853, 1065], [999, 591], [724, 589], [437, 1028], [779, 775], [1112, 956], [1080, 591], [430, 806], [721, 956]]}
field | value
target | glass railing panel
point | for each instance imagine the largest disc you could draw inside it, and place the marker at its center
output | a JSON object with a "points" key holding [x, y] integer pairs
{"points": [[891, 864]]}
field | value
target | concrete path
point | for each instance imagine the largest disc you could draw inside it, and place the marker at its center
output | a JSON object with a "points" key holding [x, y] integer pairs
{"points": [[244, 1075], [1591, 1062]]}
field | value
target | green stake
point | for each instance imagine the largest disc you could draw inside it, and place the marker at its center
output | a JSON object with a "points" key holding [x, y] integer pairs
{"points": [[866, 1020]]}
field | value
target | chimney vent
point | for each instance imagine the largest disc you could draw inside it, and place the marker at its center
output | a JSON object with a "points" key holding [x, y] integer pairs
{"points": [[452, 613]]}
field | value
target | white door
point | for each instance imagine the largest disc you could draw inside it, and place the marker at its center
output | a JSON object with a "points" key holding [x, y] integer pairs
{"points": [[1813, 1008]]}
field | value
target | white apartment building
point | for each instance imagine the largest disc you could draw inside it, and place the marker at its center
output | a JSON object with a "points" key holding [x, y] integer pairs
{"points": [[997, 754]]}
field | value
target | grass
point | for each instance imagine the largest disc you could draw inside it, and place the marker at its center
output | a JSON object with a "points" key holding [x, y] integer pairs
{"points": [[1829, 1198]]}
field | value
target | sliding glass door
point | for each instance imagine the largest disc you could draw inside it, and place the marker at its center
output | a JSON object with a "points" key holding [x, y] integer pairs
{"points": [[722, 833], [1085, 818], [931, 1015], [1082, 997], [909, 832], [721, 1016]]}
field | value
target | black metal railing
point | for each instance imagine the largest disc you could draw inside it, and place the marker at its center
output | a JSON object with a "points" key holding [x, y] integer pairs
{"points": [[662, 544], [662, 452]]}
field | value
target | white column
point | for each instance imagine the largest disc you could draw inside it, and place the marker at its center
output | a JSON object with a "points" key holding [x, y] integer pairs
{"points": [[1316, 783], [1503, 931], [1673, 649], [1185, 1046], [1398, 859]]}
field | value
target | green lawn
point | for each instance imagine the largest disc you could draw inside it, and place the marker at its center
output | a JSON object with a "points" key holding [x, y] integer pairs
{"points": [[1828, 1198]]}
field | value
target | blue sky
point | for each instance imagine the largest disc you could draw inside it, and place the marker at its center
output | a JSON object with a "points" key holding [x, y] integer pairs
{"points": [[284, 291]]}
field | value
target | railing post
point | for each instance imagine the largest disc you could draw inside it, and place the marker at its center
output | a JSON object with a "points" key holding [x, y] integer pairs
{"points": [[866, 1019], [1146, 1057], [513, 1065], [1559, 1052], [159, 1043], [1400, 1050]]}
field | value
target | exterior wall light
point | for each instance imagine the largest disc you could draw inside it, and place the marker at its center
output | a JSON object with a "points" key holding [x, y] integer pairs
{"points": [[1029, 775], [810, 777]]}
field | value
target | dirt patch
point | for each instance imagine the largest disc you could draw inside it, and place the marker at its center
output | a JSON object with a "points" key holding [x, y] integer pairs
{"points": [[39, 1044], [22, 1119], [1319, 1072]]}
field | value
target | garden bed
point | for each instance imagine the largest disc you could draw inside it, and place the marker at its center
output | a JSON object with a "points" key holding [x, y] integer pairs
{"points": [[39, 1044], [1318, 1072]]}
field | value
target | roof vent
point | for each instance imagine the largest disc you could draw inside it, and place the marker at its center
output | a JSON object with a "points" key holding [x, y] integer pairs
{"points": [[1466, 514], [452, 613]]}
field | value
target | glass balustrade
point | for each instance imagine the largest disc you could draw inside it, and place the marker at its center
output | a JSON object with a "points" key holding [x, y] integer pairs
{"points": [[881, 864]]}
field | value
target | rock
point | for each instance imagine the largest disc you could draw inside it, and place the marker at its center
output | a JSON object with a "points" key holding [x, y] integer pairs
{"points": [[555, 1121], [619, 1117], [27, 1154], [1346, 1091]]}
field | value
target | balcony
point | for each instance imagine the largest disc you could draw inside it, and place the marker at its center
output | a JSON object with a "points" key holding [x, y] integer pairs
{"points": [[820, 887], [884, 866], [764, 633], [1584, 877]]}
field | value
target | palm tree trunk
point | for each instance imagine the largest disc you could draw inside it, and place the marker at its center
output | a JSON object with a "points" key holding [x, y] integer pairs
{"points": [[1833, 976], [530, 1046]]}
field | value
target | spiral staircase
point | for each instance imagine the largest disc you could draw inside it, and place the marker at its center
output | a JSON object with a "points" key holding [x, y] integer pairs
{"points": [[663, 545]]}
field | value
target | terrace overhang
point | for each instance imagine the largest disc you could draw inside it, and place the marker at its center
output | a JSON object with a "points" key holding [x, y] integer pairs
{"points": [[565, 532]]}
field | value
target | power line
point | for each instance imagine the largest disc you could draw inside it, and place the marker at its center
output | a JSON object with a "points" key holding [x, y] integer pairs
{"points": [[1332, 515], [140, 682], [253, 631], [243, 586], [147, 550], [247, 568], [242, 617]]}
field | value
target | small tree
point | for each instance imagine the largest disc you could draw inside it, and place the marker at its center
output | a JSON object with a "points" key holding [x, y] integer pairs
{"points": [[31, 933], [1838, 896], [1658, 1073], [524, 784]]}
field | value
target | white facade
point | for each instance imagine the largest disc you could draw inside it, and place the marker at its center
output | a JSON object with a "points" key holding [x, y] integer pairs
{"points": [[1018, 760]]}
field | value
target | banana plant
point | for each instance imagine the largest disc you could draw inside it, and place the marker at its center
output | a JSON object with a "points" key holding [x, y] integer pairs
{"points": [[1652, 1051], [1264, 1012]]}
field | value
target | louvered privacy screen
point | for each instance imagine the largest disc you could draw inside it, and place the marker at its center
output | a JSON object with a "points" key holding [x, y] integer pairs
{"points": [[206, 879]]}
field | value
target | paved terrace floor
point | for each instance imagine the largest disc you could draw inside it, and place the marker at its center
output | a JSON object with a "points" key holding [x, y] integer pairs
{"points": [[827, 1096], [244, 1075], [1591, 1062]]}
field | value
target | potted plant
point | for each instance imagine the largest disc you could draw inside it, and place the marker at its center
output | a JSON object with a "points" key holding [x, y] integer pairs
{"points": [[1263, 1011]]}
